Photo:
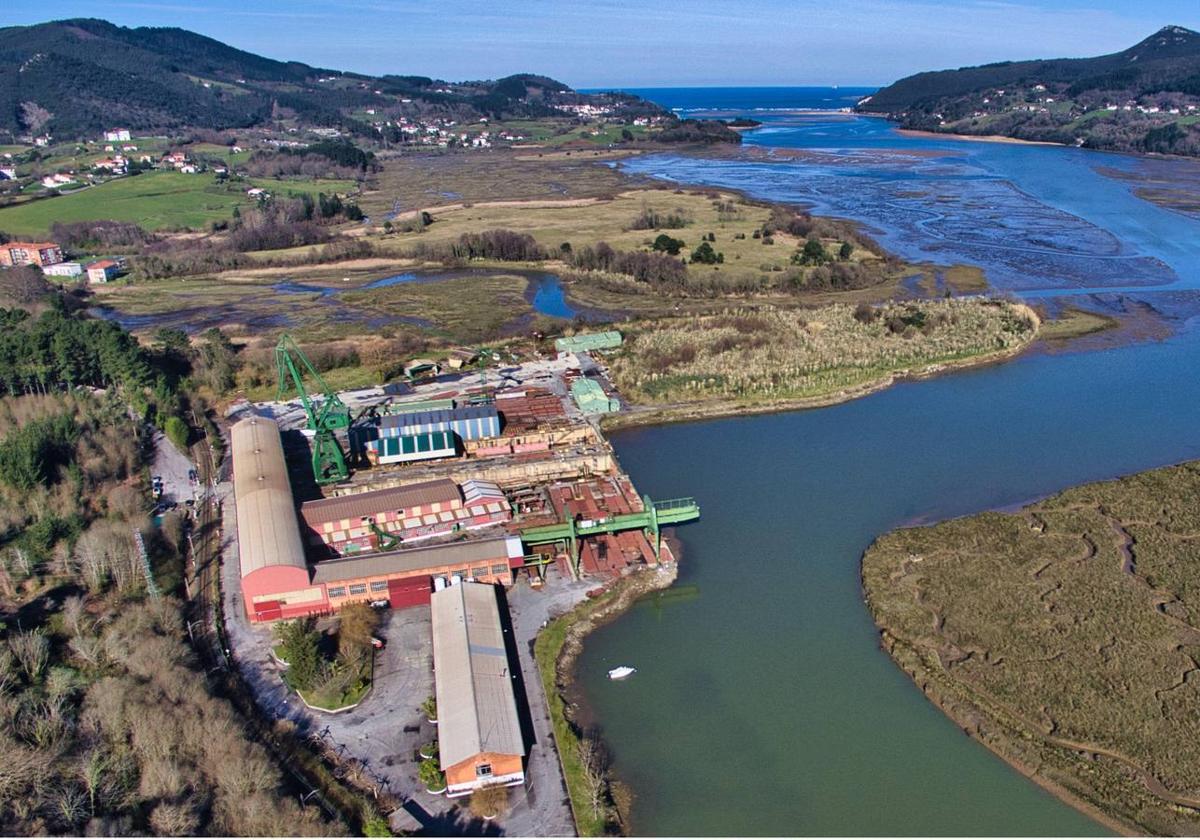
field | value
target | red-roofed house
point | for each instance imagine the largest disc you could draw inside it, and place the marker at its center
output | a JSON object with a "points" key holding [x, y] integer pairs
{"points": [[102, 271]]}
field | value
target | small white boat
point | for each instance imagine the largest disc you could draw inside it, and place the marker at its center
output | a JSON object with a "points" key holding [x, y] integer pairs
{"points": [[621, 672]]}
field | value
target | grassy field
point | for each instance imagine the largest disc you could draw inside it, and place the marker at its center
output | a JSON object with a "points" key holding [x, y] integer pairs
{"points": [[154, 200], [471, 309], [1074, 323], [788, 354], [1065, 637]]}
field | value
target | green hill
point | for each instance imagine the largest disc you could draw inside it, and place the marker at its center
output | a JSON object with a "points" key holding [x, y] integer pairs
{"points": [[73, 78], [1145, 98]]}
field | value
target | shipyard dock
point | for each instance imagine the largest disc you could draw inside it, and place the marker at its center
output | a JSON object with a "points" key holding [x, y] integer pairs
{"points": [[481, 501]]}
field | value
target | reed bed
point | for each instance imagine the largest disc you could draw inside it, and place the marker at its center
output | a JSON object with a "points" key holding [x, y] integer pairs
{"points": [[774, 354]]}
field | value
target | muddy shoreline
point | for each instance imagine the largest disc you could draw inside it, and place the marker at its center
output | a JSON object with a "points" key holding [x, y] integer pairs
{"points": [[970, 719]]}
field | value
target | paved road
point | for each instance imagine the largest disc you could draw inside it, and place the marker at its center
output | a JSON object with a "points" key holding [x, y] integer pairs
{"points": [[542, 808]]}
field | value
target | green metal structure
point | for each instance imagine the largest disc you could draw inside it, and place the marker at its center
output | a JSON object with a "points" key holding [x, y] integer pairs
{"points": [[587, 342], [387, 541], [655, 516], [325, 415]]}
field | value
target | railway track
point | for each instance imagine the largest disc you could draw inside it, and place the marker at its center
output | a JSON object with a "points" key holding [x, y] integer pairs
{"points": [[307, 778]]}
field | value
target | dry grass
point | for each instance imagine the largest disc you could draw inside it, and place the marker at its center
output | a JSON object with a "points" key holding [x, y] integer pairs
{"points": [[732, 220], [774, 354], [1065, 637]]}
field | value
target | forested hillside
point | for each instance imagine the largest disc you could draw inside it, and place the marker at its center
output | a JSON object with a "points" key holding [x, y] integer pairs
{"points": [[74, 78], [108, 724], [1143, 99]]}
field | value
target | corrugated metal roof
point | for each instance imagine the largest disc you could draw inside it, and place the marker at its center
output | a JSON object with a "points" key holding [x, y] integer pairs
{"points": [[456, 554], [268, 534], [588, 341], [477, 712], [443, 415], [358, 505], [438, 442], [590, 397]]}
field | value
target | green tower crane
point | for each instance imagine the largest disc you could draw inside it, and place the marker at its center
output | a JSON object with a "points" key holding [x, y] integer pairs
{"points": [[325, 415]]}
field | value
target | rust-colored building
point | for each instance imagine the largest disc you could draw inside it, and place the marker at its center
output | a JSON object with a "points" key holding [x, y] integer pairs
{"points": [[30, 253], [277, 582], [398, 576]]}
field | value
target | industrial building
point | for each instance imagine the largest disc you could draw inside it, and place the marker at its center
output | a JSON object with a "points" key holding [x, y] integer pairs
{"points": [[380, 519], [405, 578], [470, 422], [479, 732], [591, 399], [276, 581], [406, 448], [587, 342]]}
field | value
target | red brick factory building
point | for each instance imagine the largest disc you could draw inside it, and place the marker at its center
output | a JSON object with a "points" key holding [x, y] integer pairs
{"points": [[277, 581]]}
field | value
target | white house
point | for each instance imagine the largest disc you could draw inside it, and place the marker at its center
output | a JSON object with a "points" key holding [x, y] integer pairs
{"points": [[63, 269]]}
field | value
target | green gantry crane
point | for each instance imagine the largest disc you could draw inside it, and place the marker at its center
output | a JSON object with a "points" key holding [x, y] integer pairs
{"points": [[325, 415], [651, 519]]}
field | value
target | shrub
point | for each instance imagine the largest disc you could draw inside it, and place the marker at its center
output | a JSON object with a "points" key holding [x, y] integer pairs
{"points": [[431, 775], [864, 313], [705, 255], [177, 432], [667, 244], [489, 802]]}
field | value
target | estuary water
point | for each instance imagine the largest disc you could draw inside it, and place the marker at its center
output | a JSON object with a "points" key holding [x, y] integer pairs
{"points": [[762, 702]]}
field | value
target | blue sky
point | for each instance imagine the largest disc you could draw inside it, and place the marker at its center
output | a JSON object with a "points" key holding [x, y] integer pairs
{"points": [[647, 42]]}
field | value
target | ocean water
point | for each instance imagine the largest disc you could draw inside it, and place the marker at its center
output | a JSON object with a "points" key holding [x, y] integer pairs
{"points": [[762, 703]]}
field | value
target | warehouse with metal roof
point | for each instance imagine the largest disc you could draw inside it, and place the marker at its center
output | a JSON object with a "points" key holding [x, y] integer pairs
{"points": [[479, 732], [591, 399], [469, 422], [586, 342], [468, 558], [274, 575]]}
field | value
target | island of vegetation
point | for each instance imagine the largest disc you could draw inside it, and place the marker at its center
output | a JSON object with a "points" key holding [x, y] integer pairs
{"points": [[1064, 637], [740, 361], [1143, 99]]}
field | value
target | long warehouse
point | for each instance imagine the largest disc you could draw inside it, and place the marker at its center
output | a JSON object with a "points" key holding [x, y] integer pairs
{"points": [[479, 733]]}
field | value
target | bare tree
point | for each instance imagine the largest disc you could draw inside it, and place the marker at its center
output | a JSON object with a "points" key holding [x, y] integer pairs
{"points": [[594, 762], [87, 649], [75, 617], [32, 650], [175, 819]]}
